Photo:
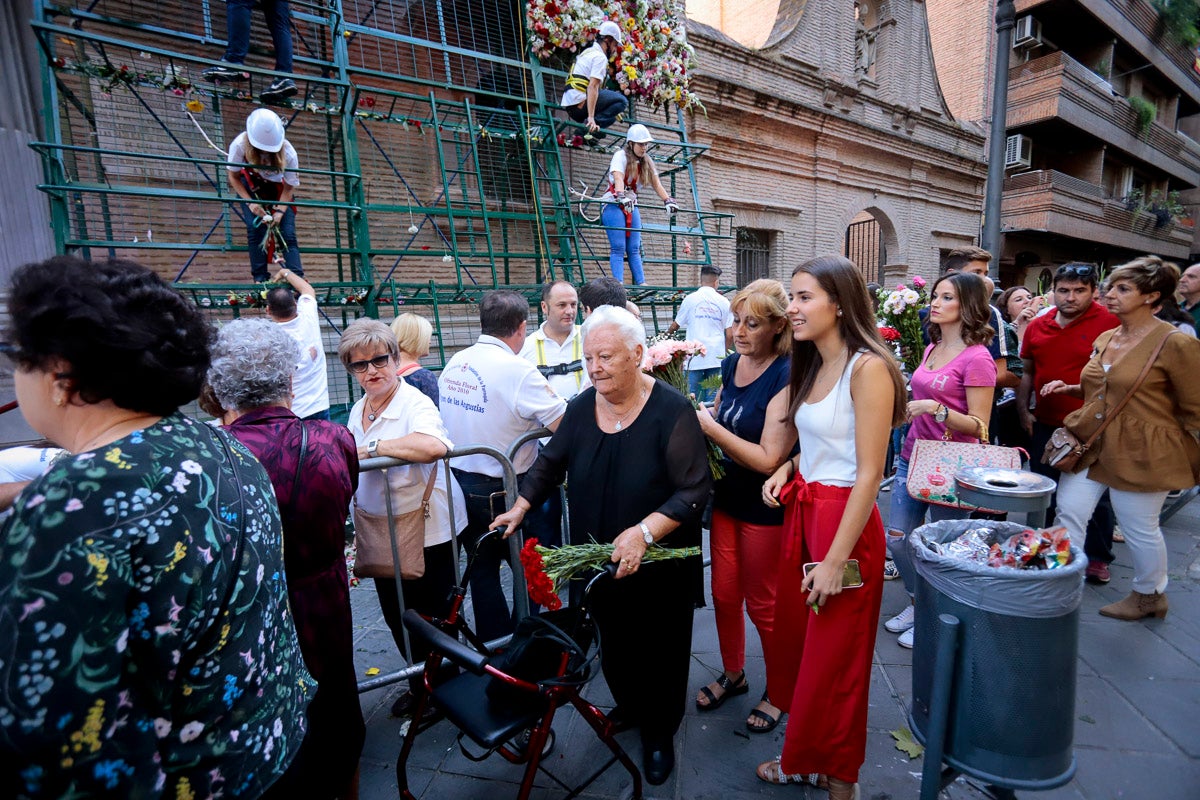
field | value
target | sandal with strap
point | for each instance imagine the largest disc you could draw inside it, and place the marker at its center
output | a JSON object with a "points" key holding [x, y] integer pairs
{"points": [[772, 772], [759, 714], [730, 688]]}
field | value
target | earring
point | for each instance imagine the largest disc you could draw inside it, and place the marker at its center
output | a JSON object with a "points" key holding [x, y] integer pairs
{"points": [[839, 312]]}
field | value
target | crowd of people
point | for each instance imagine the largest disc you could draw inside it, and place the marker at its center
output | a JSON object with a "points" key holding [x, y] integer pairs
{"points": [[174, 598]]}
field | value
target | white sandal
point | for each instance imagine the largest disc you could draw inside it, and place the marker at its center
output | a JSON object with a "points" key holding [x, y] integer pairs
{"points": [[772, 772]]}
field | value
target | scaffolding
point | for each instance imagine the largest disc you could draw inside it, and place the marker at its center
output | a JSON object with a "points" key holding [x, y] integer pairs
{"points": [[433, 165]]}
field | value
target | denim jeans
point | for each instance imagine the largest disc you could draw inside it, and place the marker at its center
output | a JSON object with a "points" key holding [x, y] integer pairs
{"points": [[608, 105], [622, 242], [258, 257], [696, 377], [237, 30], [905, 515]]}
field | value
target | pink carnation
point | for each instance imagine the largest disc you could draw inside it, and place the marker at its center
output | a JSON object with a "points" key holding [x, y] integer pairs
{"points": [[918, 282]]}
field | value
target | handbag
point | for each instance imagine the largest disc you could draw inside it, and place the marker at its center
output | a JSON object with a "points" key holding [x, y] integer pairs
{"points": [[1064, 451], [933, 463], [373, 540]]}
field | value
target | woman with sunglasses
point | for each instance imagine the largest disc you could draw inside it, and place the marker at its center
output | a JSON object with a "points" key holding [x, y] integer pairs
{"points": [[396, 420]]}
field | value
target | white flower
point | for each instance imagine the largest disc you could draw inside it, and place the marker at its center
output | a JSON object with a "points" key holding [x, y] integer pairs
{"points": [[162, 727], [910, 296], [413, 229], [192, 467], [277, 729], [190, 731], [180, 483]]}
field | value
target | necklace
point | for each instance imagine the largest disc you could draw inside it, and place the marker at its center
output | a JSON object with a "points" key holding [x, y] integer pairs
{"points": [[374, 410], [943, 349], [633, 408], [1128, 338]]}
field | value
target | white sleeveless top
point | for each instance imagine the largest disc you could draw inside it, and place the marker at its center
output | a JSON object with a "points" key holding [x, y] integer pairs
{"points": [[826, 428]]}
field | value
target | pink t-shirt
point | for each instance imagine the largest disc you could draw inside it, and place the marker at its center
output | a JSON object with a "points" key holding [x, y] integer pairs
{"points": [[974, 366]]}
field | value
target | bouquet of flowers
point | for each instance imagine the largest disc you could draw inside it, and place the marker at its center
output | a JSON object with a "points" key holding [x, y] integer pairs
{"points": [[653, 64], [547, 569], [899, 323], [666, 359]]}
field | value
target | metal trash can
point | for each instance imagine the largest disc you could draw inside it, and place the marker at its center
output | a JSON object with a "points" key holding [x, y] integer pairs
{"points": [[1012, 703]]}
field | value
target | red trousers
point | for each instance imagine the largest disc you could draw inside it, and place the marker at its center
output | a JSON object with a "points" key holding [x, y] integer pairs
{"points": [[745, 570], [820, 670]]}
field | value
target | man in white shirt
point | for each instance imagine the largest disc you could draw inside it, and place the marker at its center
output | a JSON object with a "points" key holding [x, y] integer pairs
{"points": [[707, 319], [298, 316], [586, 101], [491, 396], [556, 347]]}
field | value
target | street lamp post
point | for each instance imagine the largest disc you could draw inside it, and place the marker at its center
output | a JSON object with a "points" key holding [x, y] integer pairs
{"points": [[1005, 16]]}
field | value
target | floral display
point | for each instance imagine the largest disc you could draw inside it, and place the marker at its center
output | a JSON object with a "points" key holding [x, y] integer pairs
{"points": [[899, 323], [666, 359], [656, 60], [547, 569]]}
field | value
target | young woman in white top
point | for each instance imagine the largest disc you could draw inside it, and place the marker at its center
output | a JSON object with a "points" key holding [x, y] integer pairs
{"points": [[631, 166], [845, 396]]}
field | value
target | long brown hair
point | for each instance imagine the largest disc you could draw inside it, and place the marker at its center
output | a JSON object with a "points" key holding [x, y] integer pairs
{"points": [[645, 166], [843, 282], [973, 308], [273, 162]]}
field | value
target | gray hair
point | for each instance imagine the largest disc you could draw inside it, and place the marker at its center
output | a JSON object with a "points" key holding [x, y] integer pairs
{"points": [[628, 327], [253, 361], [368, 333]]}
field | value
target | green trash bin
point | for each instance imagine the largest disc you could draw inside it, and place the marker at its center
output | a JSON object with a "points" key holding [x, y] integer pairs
{"points": [[1012, 701]]}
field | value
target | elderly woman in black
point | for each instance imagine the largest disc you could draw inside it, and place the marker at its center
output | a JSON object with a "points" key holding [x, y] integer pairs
{"points": [[313, 466], [638, 476], [141, 577]]}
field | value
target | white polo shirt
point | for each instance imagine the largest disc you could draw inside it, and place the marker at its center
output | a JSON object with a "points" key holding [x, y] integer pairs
{"points": [[310, 385], [592, 63], [237, 155], [542, 351], [409, 411], [489, 395], [705, 315]]}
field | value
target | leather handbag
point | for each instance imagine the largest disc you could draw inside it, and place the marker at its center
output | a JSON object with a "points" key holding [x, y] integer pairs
{"points": [[1064, 450], [373, 540], [933, 463]]}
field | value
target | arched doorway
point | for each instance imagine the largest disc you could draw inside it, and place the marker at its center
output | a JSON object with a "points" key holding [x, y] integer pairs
{"points": [[866, 245]]}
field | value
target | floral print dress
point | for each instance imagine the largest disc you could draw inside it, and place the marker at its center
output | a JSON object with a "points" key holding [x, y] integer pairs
{"points": [[146, 645]]}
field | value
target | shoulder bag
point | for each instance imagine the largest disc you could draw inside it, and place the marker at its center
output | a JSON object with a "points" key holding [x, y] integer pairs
{"points": [[373, 539], [933, 462], [1064, 450]]}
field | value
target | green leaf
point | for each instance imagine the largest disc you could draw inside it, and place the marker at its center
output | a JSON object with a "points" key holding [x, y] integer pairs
{"points": [[906, 744]]}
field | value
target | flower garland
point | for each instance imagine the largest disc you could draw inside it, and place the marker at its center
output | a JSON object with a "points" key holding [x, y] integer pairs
{"points": [[900, 323], [655, 62], [665, 359]]}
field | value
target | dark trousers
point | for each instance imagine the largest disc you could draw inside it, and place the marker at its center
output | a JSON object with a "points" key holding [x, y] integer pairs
{"points": [[278, 17], [1097, 546], [608, 105], [493, 618], [258, 257], [319, 415], [428, 594]]}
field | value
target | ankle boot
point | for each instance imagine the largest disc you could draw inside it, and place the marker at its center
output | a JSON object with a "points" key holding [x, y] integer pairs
{"points": [[1137, 606], [842, 790]]}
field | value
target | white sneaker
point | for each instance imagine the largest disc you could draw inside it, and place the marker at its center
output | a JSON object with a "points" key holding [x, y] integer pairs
{"points": [[902, 622], [905, 639]]}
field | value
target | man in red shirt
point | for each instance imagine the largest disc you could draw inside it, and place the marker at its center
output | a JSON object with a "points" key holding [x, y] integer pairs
{"points": [[1057, 346]]}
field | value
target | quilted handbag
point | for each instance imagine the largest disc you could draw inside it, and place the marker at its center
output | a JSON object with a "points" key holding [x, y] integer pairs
{"points": [[933, 462]]}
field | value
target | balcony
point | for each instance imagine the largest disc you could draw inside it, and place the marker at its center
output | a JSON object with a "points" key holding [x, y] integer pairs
{"points": [[1054, 202], [1057, 87]]}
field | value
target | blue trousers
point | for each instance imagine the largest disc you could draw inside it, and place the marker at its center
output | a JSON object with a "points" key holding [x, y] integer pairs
{"points": [[622, 243], [258, 257], [237, 26], [608, 105]]}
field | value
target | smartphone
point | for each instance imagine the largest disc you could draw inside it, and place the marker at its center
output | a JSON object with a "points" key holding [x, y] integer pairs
{"points": [[851, 576]]}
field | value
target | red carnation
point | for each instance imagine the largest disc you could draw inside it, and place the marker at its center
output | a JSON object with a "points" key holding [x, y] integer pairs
{"points": [[889, 334], [541, 588]]}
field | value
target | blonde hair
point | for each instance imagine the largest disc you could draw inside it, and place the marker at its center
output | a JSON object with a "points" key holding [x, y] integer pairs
{"points": [[413, 333], [273, 162], [765, 299], [1148, 274]]}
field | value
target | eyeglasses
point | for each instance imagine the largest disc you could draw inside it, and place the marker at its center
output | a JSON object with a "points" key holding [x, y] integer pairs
{"points": [[378, 362], [1082, 271]]}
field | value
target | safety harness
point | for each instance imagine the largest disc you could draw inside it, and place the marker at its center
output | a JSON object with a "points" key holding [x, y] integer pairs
{"points": [[267, 193], [576, 365]]}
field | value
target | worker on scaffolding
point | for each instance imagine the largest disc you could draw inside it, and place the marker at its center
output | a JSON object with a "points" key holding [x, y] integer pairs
{"points": [[630, 166], [586, 101], [262, 164], [278, 17]]}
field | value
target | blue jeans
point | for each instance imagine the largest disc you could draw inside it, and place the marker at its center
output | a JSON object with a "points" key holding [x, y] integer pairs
{"points": [[608, 105], [623, 242], [905, 515], [237, 30], [258, 257], [695, 377]]}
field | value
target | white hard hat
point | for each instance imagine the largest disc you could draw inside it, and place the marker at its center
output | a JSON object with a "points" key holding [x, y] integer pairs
{"points": [[610, 28], [638, 134], [264, 129]]}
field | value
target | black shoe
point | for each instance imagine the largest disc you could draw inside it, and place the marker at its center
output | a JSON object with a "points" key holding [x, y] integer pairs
{"points": [[658, 759], [621, 721], [280, 89], [224, 72]]}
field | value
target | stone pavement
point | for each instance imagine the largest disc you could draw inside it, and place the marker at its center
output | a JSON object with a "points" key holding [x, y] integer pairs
{"points": [[1137, 728]]}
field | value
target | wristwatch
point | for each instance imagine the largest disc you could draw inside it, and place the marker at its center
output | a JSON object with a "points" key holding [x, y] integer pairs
{"points": [[646, 535], [372, 448], [941, 413]]}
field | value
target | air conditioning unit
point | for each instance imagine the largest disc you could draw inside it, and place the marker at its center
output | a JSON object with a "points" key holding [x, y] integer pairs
{"points": [[1018, 151], [1027, 33]]}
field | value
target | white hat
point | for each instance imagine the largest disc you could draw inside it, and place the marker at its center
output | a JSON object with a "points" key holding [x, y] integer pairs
{"points": [[638, 134], [264, 129], [610, 28]]}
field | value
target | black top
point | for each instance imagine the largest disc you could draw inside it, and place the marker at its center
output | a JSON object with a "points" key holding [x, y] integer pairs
{"points": [[743, 411], [657, 463]]}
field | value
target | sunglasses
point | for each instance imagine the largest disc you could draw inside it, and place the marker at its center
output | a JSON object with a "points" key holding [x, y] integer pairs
{"points": [[1084, 271], [378, 362]]}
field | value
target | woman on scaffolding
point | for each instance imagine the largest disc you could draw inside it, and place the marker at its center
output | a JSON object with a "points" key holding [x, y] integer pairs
{"points": [[261, 171], [629, 167], [586, 101]]}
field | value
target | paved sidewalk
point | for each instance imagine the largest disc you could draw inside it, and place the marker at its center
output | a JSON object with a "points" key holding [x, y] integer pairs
{"points": [[1137, 729]]}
